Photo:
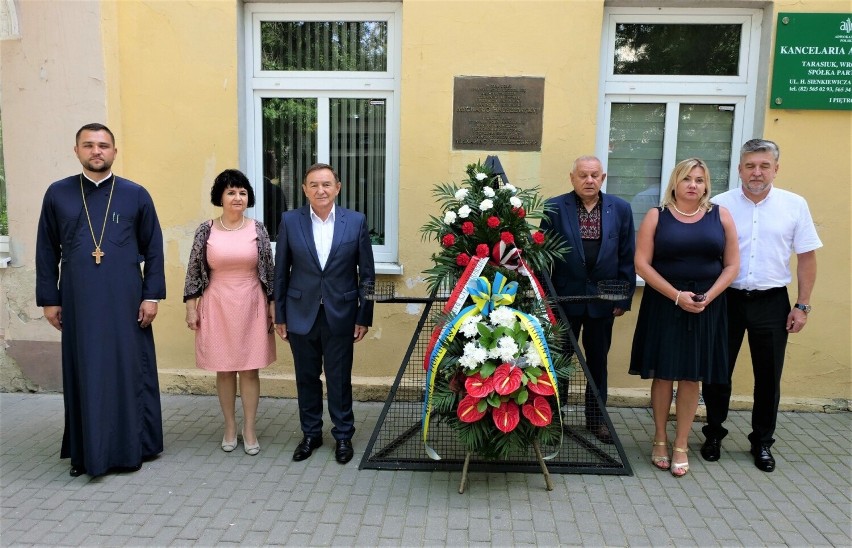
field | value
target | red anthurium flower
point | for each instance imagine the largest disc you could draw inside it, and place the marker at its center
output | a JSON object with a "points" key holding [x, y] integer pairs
{"points": [[482, 250], [506, 379], [538, 237], [506, 417], [468, 410], [467, 228], [448, 240], [538, 411], [463, 259], [542, 386], [478, 387], [507, 237], [493, 222], [520, 212]]}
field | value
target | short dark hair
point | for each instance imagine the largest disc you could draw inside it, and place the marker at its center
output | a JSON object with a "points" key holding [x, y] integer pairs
{"points": [[761, 145], [317, 167], [93, 127], [230, 178]]}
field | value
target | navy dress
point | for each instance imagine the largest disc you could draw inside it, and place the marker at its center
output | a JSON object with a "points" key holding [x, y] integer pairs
{"points": [[109, 369], [670, 343]]}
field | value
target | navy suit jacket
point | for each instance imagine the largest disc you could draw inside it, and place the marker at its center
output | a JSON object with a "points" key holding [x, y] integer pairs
{"points": [[301, 285], [615, 259]]}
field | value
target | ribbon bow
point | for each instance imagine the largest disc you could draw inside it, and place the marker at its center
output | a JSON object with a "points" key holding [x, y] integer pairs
{"points": [[487, 296]]}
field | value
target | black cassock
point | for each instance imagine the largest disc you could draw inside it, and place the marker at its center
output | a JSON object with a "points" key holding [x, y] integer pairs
{"points": [[109, 369]]}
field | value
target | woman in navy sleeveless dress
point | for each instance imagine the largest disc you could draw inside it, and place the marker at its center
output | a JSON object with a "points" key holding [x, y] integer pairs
{"points": [[687, 253]]}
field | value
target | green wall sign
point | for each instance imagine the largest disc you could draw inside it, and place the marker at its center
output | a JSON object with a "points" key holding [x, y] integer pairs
{"points": [[813, 61]]}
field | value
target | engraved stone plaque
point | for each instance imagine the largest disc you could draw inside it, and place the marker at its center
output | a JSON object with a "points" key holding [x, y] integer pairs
{"points": [[497, 113]]}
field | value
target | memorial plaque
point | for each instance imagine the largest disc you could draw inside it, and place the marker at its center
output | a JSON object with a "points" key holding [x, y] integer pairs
{"points": [[499, 113], [813, 62]]}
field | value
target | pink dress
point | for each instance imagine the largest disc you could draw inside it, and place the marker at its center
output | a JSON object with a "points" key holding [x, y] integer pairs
{"points": [[233, 332]]}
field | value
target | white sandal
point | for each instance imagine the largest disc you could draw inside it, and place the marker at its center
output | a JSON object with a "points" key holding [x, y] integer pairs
{"points": [[661, 462], [679, 469]]}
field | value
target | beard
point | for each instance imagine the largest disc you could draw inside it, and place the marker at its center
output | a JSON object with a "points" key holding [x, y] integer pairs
{"points": [[103, 168], [757, 187]]}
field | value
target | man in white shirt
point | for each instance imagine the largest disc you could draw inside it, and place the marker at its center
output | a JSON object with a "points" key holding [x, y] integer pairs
{"points": [[772, 224]]}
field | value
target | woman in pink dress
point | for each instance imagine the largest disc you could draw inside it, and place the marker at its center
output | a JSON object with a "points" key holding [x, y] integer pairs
{"points": [[229, 303]]}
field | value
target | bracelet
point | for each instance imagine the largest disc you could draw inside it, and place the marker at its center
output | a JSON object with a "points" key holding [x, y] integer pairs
{"points": [[677, 298]]}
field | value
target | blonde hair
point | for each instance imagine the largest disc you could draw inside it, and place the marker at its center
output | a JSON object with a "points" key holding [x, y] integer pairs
{"points": [[680, 171]]}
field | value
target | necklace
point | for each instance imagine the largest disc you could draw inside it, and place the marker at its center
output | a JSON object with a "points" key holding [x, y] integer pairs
{"points": [[693, 214], [242, 224], [97, 253]]}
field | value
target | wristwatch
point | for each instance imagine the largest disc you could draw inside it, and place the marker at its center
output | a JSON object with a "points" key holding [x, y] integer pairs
{"points": [[806, 308]]}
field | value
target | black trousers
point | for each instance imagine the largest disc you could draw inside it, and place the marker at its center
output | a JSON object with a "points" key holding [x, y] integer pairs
{"points": [[321, 349], [597, 338], [763, 314]]}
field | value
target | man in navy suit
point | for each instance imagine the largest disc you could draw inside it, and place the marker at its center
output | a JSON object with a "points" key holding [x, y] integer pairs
{"points": [[323, 257], [598, 228]]}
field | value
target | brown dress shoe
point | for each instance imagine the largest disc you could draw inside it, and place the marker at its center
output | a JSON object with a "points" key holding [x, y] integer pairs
{"points": [[601, 432]]}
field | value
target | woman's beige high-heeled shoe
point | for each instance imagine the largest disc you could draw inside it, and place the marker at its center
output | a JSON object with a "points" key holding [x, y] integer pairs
{"points": [[679, 469], [661, 462]]}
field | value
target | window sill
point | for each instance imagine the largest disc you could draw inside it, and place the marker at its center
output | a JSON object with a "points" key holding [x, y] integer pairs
{"points": [[389, 268]]}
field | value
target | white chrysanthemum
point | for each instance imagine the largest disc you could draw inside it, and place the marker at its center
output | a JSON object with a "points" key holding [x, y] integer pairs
{"points": [[507, 347], [502, 315], [532, 356], [488, 191], [474, 355], [449, 217], [510, 188], [468, 328], [481, 176], [464, 211], [486, 204], [461, 194], [515, 201]]}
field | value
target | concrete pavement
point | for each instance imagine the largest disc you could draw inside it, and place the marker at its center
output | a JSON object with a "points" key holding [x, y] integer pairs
{"points": [[195, 494]]}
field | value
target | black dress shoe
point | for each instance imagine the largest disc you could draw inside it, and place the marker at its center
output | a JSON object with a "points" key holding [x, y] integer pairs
{"points": [[712, 449], [76, 471], [763, 458], [306, 447], [601, 432], [344, 451]]}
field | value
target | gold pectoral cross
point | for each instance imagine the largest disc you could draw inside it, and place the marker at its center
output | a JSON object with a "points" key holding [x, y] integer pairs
{"points": [[97, 254]]}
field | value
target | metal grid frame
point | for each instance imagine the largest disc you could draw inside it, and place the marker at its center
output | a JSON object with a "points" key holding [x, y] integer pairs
{"points": [[396, 442]]}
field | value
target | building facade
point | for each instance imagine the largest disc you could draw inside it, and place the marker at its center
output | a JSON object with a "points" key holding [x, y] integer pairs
{"points": [[192, 88]]}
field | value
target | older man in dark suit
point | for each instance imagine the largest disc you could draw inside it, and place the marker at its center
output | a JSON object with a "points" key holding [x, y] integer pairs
{"points": [[323, 257], [599, 229]]}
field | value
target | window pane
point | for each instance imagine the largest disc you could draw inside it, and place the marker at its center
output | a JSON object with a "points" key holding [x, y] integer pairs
{"points": [[706, 131], [653, 48], [358, 150], [324, 45], [636, 154], [289, 148]]}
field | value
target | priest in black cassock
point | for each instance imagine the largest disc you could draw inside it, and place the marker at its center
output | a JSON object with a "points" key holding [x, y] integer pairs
{"points": [[99, 276]]}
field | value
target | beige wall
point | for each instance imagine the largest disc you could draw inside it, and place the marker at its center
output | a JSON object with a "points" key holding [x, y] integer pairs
{"points": [[164, 76]]}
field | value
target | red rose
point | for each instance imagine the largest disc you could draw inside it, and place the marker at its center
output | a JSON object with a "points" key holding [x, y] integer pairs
{"points": [[520, 212], [462, 259], [468, 410], [493, 222], [507, 237], [448, 240], [482, 250], [538, 411], [538, 237], [506, 417], [467, 228]]}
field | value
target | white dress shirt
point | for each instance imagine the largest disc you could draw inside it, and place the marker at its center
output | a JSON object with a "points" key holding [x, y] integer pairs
{"points": [[323, 234], [768, 233]]}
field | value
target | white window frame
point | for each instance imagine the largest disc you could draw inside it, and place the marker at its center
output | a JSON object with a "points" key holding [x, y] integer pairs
{"points": [[739, 90], [324, 85]]}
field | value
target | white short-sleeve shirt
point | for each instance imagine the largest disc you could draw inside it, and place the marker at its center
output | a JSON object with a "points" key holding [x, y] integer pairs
{"points": [[769, 232]]}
